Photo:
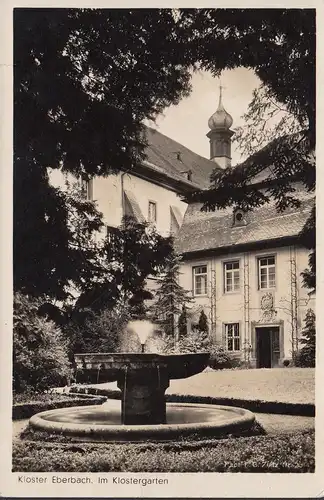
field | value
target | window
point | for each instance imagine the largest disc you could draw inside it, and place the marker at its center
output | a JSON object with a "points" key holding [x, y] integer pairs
{"points": [[232, 276], [232, 332], [152, 211], [239, 218], [200, 280], [112, 234], [87, 189], [267, 272]]}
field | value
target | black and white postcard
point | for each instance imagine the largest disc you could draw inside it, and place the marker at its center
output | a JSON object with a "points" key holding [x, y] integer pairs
{"points": [[160, 335]]}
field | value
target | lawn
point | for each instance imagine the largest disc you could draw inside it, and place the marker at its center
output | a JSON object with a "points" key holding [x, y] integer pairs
{"points": [[286, 385]]}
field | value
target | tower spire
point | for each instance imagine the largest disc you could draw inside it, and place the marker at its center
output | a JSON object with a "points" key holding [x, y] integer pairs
{"points": [[220, 134], [220, 93]]}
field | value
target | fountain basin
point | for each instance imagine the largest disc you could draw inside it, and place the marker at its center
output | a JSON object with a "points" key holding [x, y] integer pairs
{"points": [[182, 420], [106, 367], [142, 379]]}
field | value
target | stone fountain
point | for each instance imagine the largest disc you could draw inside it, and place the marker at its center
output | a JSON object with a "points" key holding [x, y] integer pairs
{"points": [[142, 379]]}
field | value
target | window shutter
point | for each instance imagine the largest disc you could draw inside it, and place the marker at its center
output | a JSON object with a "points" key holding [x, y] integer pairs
{"points": [[132, 207], [174, 222]]}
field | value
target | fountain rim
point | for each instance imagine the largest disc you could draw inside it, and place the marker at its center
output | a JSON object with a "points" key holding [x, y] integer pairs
{"points": [[140, 354], [243, 418]]}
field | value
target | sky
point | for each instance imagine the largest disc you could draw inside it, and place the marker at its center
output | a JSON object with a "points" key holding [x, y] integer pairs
{"points": [[186, 123]]}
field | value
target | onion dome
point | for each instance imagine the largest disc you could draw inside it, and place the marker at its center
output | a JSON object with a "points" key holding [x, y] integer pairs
{"points": [[220, 119]]}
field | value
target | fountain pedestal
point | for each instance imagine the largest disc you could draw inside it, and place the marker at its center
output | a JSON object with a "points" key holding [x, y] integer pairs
{"points": [[142, 378], [143, 401]]}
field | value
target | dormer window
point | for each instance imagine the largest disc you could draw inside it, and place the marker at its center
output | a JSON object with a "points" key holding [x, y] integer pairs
{"points": [[239, 218], [188, 174]]}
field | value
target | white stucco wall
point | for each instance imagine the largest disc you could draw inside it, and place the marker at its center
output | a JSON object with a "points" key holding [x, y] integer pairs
{"points": [[107, 192], [230, 306], [164, 198], [108, 195]]}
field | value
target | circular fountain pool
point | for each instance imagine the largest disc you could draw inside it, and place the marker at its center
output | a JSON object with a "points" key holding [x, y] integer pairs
{"points": [[104, 422], [142, 414]]}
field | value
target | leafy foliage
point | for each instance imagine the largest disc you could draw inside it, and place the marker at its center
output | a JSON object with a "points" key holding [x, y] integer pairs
{"points": [[221, 359], [82, 89], [203, 322], [193, 342], [306, 356], [65, 57], [281, 453], [38, 403], [278, 44], [48, 397], [117, 293], [199, 341], [264, 121], [170, 296], [98, 332], [287, 162], [39, 350], [182, 322], [308, 239], [279, 133], [68, 222], [129, 254]]}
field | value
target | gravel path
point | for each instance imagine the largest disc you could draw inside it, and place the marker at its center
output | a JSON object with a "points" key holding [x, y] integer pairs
{"points": [[284, 424]]}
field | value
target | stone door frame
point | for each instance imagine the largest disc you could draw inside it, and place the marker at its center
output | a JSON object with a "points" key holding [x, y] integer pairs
{"points": [[273, 324]]}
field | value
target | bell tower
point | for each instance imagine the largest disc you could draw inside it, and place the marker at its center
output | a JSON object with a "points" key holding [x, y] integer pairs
{"points": [[220, 134]]}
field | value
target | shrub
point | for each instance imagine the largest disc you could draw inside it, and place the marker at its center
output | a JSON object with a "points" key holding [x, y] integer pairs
{"points": [[169, 295], [182, 322], [286, 362], [220, 358], [40, 356], [203, 322], [198, 341], [27, 410], [280, 453], [305, 357], [194, 341], [97, 332]]}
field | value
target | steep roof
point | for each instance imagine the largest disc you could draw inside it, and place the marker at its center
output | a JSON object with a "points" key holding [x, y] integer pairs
{"points": [[176, 160], [202, 231]]}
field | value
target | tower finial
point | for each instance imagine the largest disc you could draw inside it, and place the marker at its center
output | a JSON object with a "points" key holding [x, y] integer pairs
{"points": [[221, 87], [220, 134]]}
